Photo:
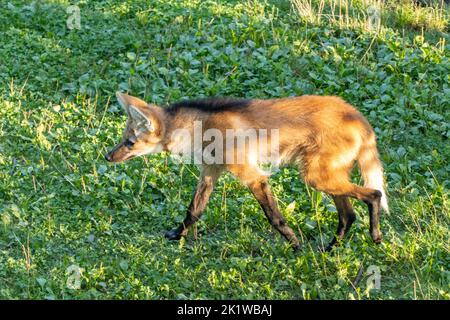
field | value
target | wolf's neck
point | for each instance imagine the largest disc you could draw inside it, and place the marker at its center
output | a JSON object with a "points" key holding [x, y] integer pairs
{"points": [[180, 130]]}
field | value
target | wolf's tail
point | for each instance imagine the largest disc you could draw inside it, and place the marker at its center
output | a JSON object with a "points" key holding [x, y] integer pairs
{"points": [[372, 170]]}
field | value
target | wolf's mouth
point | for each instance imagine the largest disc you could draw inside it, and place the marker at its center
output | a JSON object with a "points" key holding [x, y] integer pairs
{"points": [[131, 156]]}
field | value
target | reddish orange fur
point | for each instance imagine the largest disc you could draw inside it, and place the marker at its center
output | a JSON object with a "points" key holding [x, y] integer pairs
{"points": [[323, 136]]}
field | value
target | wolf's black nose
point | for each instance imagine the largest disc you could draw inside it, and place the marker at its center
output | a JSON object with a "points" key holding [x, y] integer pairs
{"points": [[107, 157]]}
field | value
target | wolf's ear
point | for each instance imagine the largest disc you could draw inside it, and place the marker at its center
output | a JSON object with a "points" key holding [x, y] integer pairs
{"points": [[126, 100], [143, 123], [122, 101], [146, 117]]}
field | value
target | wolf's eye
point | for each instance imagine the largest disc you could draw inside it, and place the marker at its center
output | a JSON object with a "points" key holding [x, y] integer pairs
{"points": [[129, 143]]}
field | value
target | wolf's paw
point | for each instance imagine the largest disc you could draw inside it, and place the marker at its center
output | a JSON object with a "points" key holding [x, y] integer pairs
{"points": [[376, 237], [173, 235]]}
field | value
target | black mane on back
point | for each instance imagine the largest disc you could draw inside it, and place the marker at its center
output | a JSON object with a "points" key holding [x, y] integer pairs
{"points": [[214, 104]]}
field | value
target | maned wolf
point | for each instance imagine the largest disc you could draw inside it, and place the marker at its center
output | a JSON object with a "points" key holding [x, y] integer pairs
{"points": [[322, 136]]}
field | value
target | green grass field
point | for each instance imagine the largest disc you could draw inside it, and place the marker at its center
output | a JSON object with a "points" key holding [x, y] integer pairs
{"points": [[63, 208]]}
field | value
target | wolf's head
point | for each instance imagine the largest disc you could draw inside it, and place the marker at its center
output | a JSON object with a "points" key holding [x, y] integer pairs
{"points": [[144, 130]]}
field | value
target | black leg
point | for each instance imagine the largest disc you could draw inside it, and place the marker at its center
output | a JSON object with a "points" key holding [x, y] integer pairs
{"points": [[374, 217], [262, 193], [198, 203], [346, 218]]}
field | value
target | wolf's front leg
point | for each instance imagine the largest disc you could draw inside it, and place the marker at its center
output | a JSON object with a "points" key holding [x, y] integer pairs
{"points": [[261, 190], [210, 174]]}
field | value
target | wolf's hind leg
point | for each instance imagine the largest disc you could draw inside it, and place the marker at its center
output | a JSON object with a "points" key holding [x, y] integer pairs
{"points": [[346, 218], [210, 174], [369, 196]]}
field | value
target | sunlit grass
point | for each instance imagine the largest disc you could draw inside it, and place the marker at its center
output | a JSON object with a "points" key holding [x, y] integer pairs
{"points": [[371, 15]]}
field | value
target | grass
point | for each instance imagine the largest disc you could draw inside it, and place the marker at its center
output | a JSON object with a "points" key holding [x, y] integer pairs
{"points": [[62, 207], [404, 15]]}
